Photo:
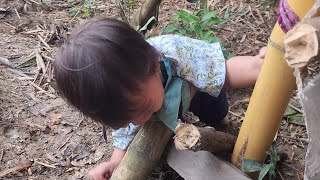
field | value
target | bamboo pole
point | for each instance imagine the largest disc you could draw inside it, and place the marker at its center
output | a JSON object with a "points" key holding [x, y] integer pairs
{"points": [[270, 97], [144, 152]]}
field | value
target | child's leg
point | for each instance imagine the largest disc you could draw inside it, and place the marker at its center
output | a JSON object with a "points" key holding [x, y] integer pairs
{"points": [[210, 110], [243, 71]]}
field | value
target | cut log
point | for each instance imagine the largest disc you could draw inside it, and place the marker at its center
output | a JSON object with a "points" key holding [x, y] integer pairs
{"points": [[190, 137], [144, 152], [301, 43]]}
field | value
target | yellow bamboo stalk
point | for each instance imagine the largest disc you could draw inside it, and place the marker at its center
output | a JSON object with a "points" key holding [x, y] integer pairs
{"points": [[270, 97]]}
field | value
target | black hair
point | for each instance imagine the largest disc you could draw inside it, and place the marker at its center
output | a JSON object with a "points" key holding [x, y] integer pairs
{"points": [[100, 65]]}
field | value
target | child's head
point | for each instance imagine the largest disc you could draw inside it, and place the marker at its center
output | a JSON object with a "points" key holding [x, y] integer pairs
{"points": [[110, 73]]}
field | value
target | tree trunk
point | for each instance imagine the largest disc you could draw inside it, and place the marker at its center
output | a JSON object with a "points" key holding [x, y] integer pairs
{"points": [[148, 9], [190, 137]]}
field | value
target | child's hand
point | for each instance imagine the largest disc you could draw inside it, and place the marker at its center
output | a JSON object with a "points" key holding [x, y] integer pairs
{"points": [[262, 52], [103, 171]]}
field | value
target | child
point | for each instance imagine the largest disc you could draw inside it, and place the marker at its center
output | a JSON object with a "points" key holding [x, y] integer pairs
{"points": [[112, 74]]}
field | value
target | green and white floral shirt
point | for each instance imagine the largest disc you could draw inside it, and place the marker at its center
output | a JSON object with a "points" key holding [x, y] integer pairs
{"points": [[195, 61]]}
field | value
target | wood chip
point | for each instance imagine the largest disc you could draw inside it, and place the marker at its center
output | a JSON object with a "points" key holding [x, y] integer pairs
{"points": [[16, 168]]}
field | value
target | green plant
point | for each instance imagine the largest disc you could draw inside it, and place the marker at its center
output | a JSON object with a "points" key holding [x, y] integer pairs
{"points": [[198, 25], [87, 9], [254, 166]]}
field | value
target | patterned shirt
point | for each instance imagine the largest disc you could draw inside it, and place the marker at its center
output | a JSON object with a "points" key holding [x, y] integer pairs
{"points": [[195, 61]]}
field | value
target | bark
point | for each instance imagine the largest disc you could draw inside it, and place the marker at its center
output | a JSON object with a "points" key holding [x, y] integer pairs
{"points": [[190, 137], [147, 10]]}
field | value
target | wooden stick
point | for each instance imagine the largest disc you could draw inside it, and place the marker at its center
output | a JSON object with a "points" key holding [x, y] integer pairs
{"points": [[16, 168], [190, 137]]}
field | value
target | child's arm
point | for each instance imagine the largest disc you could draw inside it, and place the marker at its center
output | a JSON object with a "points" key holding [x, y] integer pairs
{"points": [[104, 170], [243, 71]]}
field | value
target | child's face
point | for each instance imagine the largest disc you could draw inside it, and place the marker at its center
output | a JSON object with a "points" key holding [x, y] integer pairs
{"points": [[150, 100]]}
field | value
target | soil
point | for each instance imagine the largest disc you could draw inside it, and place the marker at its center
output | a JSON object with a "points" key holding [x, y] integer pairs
{"points": [[38, 126]]}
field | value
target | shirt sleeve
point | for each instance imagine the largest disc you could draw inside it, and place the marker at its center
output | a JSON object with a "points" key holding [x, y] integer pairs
{"points": [[124, 136], [196, 61]]}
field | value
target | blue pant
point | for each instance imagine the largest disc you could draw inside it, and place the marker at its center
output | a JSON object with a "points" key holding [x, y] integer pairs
{"points": [[210, 110]]}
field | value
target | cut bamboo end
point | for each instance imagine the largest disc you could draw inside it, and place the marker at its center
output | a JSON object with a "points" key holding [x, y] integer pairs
{"points": [[190, 137], [187, 136], [301, 43]]}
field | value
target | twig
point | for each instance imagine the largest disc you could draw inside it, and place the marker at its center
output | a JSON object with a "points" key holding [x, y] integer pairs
{"points": [[280, 174], [294, 138], [17, 168], [47, 57], [65, 142], [15, 9], [36, 86], [291, 167], [235, 114], [43, 41], [46, 165], [33, 31], [295, 108], [13, 27], [41, 63]]}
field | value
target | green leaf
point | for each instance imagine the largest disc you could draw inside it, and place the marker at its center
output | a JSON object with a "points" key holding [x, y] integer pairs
{"points": [[210, 15], [214, 21], [264, 171], [250, 166], [198, 31], [212, 39], [104, 1], [171, 28], [186, 17], [74, 11], [174, 18], [294, 116], [86, 12], [227, 14], [207, 34], [182, 32]]}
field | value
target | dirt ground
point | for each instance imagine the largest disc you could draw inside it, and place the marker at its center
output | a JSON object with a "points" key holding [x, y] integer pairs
{"points": [[52, 140]]}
